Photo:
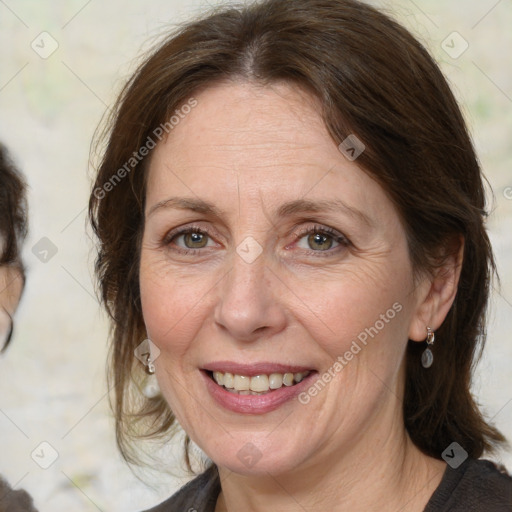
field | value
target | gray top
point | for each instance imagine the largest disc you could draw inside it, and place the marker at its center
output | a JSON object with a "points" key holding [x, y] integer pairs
{"points": [[475, 486], [12, 500], [199, 495]]}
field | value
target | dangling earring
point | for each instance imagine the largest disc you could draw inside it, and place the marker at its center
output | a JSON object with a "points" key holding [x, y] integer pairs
{"points": [[149, 387], [147, 352], [427, 358], [150, 367]]}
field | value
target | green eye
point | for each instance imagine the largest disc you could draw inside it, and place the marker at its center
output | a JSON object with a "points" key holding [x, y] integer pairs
{"points": [[320, 241], [189, 239], [194, 240]]}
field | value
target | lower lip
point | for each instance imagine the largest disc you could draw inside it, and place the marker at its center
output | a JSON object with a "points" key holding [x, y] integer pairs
{"points": [[254, 404]]}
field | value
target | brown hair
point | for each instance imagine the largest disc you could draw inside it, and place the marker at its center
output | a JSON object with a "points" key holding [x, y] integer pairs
{"points": [[374, 80], [13, 217], [13, 210]]}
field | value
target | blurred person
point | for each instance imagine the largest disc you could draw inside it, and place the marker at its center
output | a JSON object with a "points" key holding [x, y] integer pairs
{"points": [[13, 229]]}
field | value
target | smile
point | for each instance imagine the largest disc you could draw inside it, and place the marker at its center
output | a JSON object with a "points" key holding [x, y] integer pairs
{"points": [[257, 384], [257, 388]]}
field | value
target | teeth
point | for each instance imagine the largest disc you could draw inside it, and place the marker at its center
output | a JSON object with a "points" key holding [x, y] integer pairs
{"points": [[288, 379], [258, 384], [275, 380], [242, 383], [219, 378], [229, 380]]}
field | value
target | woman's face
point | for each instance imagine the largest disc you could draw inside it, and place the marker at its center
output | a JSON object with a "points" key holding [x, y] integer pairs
{"points": [[267, 252]]}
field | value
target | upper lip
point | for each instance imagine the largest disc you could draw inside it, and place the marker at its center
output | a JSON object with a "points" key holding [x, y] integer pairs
{"points": [[253, 369]]}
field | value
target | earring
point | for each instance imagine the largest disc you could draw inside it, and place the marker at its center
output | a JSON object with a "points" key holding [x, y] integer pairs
{"points": [[146, 352], [427, 358], [150, 367]]}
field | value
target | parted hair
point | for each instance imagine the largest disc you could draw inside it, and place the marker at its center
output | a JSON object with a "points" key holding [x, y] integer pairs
{"points": [[374, 80]]}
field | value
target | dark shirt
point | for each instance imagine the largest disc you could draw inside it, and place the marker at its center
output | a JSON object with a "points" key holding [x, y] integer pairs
{"points": [[475, 486], [14, 500], [199, 495]]}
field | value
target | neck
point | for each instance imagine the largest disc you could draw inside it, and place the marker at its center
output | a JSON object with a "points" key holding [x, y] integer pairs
{"points": [[382, 470]]}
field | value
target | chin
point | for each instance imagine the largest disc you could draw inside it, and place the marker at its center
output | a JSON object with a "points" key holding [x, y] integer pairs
{"points": [[246, 455]]}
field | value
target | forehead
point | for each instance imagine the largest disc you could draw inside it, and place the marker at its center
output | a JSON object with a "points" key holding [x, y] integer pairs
{"points": [[249, 140]]}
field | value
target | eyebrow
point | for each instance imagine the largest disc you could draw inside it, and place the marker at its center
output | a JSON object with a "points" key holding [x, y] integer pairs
{"points": [[331, 206], [186, 203], [298, 206]]}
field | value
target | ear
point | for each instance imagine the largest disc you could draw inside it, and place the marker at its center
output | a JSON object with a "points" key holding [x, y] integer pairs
{"points": [[436, 292]]}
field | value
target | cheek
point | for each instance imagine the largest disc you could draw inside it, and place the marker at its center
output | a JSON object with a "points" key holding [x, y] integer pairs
{"points": [[11, 286], [357, 307], [173, 304], [363, 335]]}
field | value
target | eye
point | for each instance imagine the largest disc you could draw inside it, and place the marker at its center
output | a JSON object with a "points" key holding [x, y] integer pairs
{"points": [[321, 239], [194, 239], [188, 239]]}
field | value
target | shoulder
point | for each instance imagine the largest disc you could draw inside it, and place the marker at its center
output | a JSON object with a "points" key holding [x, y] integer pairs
{"points": [[199, 495], [489, 480], [14, 500], [477, 485]]}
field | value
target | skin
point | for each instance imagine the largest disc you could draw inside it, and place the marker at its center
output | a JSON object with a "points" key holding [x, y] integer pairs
{"points": [[11, 286], [247, 150]]}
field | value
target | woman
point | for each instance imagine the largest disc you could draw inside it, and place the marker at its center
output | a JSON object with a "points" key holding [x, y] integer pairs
{"points": [[13, 228], [290, 208]]}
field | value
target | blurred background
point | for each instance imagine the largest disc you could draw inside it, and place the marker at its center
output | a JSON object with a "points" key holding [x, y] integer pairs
{"points": [[62, 64]]}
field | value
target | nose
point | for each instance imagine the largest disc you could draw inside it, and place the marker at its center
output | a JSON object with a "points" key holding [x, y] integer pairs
{"points": [[248, 305]]}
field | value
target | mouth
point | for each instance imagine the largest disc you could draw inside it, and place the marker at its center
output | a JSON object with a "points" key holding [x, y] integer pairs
{"points": [[257, 388], [261, 384]]}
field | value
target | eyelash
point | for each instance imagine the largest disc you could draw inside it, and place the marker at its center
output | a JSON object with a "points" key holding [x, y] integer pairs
{"points": [[316, 229], [184, 231], [324, 230]]}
